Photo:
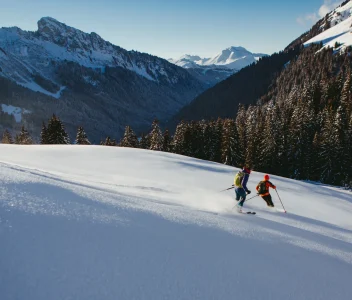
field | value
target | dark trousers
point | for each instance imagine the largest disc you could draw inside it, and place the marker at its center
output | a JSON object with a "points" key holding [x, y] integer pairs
{"points": [[240, 196], [268, 200]]}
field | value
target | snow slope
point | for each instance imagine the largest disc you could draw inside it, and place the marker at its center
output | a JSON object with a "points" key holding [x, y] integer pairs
{"points": [[340, 31], [95, 222]]}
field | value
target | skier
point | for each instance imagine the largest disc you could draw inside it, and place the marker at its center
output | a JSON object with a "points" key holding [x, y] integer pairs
{"points": [[263, 190], [241, 189]]}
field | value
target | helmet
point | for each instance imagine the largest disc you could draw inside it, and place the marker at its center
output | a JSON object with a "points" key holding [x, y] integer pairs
{"points": [[266, 177]]}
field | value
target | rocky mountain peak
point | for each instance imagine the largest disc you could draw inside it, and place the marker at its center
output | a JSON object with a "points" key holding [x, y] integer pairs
{"points": [[59, 33]]}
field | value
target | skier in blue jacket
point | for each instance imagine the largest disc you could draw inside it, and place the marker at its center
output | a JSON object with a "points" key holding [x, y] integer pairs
{"points": [[240, 184]]}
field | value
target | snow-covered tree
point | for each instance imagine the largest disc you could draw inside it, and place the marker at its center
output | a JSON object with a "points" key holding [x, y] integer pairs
{"points": [[231, 154], [144, 142], [108, 142], [23, 138], [166, 141], [81, 138], [56, 133], [129, 138], [178, 141], [6, 138], [156, 137]]}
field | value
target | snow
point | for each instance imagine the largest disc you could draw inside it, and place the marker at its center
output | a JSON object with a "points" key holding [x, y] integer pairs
{"points": [[91, 81], [340, 30], [234, 58], [37, 88], [89, 50], [95, 222], [15, 111]]}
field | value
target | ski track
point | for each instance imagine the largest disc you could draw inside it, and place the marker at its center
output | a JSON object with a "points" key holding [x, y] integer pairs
{"points": [[109, 223], [16, 192]]}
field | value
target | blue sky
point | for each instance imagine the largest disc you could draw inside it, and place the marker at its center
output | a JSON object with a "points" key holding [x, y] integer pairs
{"points": [[172, 28]]}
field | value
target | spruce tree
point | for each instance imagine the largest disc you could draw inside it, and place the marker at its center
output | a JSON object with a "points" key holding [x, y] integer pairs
{"points": [[6, 138], [108, 142], [167, 141], [23, 138], [241, 129], [327, 148], [156, 137], [215, 142], [44, 135], [348, 149], [144, 142], [129, 138], [56, 132], [81, 138], [231, 154], [207, 139], [178, 141]]}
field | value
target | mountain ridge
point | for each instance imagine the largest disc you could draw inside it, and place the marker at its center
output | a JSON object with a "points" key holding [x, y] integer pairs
{"points": [[243, 87], [115, 87]]}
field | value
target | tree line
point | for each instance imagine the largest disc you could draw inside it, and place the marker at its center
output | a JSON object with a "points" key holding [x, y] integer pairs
{"points": [[301, 128]]}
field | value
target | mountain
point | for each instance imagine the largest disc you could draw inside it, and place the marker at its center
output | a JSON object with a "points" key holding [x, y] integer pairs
{"points": [[245, 86], [94, 222], [258, 81], [215, 69], [86, 81], [337, 28]]}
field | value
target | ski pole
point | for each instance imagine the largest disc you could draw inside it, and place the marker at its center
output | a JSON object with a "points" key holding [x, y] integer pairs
{"points": [[251, 198], [281, 201], [228, 189]]}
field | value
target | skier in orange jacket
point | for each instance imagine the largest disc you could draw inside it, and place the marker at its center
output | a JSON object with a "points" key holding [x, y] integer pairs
{"points": [[263, 190]]}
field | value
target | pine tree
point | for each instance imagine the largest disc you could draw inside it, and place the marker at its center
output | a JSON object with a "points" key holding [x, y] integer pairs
{"points": [[231, 154], [302, 134], [194, 140], [129, 138], [207, 139], [167, 141], [44, 135], [144, 142], [327, 148], [216, 140], [23, 138], [316, 162], [108, 142], [179, 140], [56, 133], [348, 150], [6, 138], [156, 137], [253, 134], [81, 138], [340, 144], [269, 155]]}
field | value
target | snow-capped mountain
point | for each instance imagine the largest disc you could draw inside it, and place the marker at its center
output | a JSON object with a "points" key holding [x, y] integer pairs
{"points": [[115, 87], [217, 68], [234, 58], [335, 29]]}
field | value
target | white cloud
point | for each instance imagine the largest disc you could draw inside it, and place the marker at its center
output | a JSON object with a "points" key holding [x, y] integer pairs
{"points": [[308, 18], [325, 8]]}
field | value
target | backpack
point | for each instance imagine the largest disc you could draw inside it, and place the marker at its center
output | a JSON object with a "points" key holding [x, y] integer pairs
{"points": [[238, 179], [262, 187]]}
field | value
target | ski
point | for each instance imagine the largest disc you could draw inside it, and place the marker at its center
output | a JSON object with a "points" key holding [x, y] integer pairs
{"points": [[244, 212]]}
